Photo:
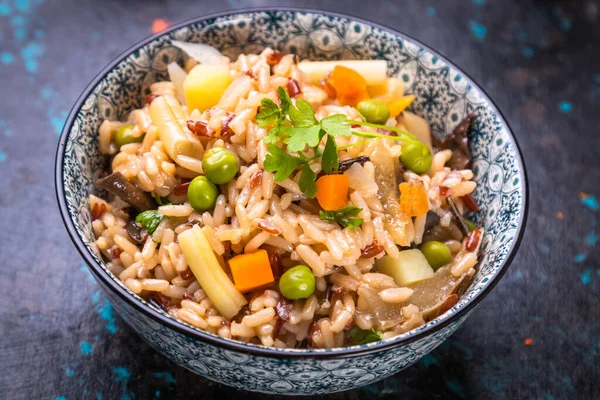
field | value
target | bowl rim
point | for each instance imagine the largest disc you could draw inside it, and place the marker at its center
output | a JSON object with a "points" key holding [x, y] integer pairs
{"points": [[342, 352]]}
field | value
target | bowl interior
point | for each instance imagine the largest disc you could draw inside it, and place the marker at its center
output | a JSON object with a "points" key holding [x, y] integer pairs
{"points": [[444, 96]]}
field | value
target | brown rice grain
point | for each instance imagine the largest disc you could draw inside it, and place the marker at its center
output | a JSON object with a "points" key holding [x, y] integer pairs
{"points": [[312, 259], [345, 281], [134, 285], [191, 318], [212, 239], [396, 295], [258, 318], [154, 285]]}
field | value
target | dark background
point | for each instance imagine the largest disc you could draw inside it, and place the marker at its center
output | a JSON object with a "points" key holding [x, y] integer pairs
{"points": [[538, 60]]}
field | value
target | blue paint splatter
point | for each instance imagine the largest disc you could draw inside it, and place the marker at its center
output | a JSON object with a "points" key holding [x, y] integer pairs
{"points": [[99, 396], [537, 318], [30, 53], [431, 11], [2, 156], [8, 132], [7, 58], [23, 5], [479, 2], [39, 34], [157, 393], [586, 277], [548, 396], [168, 377], [5, 10], [591, 238], [47, 93], [478, 30], [96, 297], [590, 202], [517, 275], [429, 360], [454, 387], [528, 52], [86, 348], [579, 258], [546, 249], [58, 120], [565, 107], [68, 371], [61, 398], [96, 36], [122, 373], [107, 313], [87, 272]]}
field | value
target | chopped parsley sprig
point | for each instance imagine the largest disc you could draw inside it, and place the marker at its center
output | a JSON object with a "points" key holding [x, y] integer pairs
{"points": [[298, 128]]}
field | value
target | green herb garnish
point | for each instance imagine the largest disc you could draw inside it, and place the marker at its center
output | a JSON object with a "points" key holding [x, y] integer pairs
{"points": [[161, 201], [343, 216], [297, 127], [149, 220], [360, 336]]}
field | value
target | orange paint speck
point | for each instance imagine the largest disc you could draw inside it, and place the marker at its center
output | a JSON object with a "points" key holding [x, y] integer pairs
{"points": [[159, 25], [583, 195], [560, 215], [528, 341]]}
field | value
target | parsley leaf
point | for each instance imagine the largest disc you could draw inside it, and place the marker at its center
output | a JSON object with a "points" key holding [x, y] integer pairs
{"points": [[303, 115], [307, 182], [286, 102], [343, 216], [360, 336], [298, 138], [281, 163], [269, 113], [329, 160], [276, 132], [149, 220], [335, 125], [161, 201]]}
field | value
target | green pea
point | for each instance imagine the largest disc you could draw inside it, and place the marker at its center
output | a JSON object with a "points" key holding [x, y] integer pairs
{"points": [[219, 165], [374, 111], [124, 135], [202, 194], [416, 157], [470, 224], [436, 253], [297, 283]]}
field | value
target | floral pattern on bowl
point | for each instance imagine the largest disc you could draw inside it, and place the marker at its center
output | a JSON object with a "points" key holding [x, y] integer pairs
{"points": [[444, 96]]}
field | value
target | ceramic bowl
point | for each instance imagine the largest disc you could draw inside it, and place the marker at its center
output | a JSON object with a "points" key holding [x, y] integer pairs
{"points": [[444, 96]]}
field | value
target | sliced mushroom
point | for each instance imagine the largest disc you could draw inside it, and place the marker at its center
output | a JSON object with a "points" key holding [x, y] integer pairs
{"points": [[458, 142], [434, 296], [345, 164], [118, 185], [385, 315], [396, 221]]}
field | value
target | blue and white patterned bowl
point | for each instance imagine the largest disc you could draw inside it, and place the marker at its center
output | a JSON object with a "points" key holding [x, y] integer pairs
{"points": [[444, 96]]}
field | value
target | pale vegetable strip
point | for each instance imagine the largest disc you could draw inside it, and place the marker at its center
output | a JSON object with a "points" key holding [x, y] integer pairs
{"points": [[207, 270], [374, 71], [170, 132]]}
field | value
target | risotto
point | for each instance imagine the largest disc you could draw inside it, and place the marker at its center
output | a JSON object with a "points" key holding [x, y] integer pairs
{"points": [[285, 203]]}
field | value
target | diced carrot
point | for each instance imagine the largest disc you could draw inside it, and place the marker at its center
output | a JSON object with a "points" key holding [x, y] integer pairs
{"points": [[413, 198], [349, 85], [397, 106], [332, 191], [251, 270]]}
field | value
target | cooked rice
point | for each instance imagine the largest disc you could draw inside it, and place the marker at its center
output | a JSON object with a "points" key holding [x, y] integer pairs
{"points": [[253, 212]]}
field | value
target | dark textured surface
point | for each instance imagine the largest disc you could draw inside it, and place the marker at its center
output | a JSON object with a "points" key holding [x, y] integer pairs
{"points": [[538, 60]]}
